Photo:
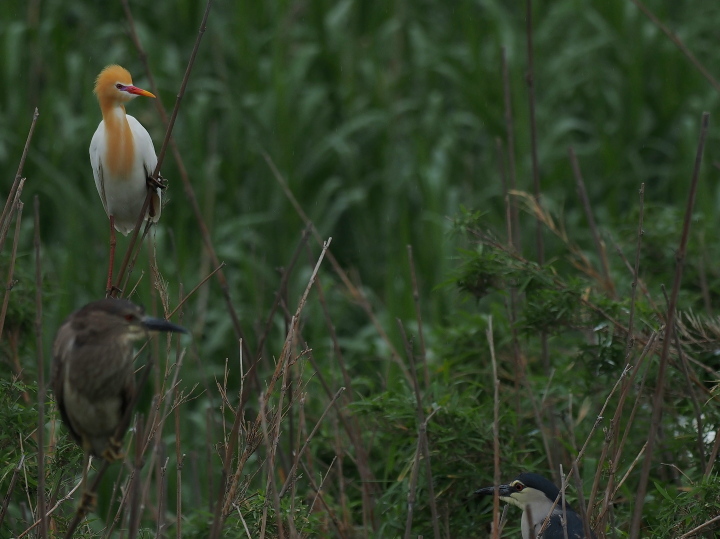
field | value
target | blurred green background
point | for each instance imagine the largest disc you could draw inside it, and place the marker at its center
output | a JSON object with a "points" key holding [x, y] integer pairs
{"points": [[383, 118], [381, 115]]}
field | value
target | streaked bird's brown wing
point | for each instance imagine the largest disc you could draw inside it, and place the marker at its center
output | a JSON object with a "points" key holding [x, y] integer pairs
{"points": [[61, 347]]}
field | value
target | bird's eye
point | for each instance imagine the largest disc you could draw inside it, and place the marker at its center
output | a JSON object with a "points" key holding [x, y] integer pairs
{"points": [[129, 317], [119, 86], [519, 487]]}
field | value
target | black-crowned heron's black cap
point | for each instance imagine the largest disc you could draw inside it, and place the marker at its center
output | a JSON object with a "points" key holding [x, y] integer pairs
{"points": [[534, 492], [93, 376]]}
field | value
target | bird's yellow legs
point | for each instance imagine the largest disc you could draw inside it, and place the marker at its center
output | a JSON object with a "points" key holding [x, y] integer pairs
{"points": [[113, 451]]}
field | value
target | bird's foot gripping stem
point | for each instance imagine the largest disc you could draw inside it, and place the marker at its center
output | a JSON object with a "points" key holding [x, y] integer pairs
{"points": [[113, 452], [88, 502], [159, 183]]}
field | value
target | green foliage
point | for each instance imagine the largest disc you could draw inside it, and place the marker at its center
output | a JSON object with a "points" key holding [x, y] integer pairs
{"points": [[688, 507], [18, 416]]}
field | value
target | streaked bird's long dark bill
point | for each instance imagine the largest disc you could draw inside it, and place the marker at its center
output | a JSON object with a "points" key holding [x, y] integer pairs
{"points": [[160, 324]]}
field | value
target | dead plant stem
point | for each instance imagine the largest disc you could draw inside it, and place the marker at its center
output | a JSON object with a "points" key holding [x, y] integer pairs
{"points": [[514, 237], [11, 202], [42, 532], [660, 385], [599, 244], [163, 149], [291, 476], [10, 283], [422, 433], [680, 45], [496, 431]]}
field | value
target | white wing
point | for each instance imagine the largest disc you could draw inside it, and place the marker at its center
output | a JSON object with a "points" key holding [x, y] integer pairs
{"points": [[145, 154], [122, 197], [98, 141], [144, 149]]}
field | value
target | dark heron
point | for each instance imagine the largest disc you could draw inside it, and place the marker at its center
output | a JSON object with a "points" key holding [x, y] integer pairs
{"points": [[535, 495]]}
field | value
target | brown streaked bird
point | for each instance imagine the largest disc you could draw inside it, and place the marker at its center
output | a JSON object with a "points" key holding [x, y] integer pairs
{"points": [[93, 377], [123, 157]]}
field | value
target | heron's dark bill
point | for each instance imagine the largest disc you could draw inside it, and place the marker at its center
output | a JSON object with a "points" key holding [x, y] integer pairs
{"points": [[160, 324], [503, 490]]}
